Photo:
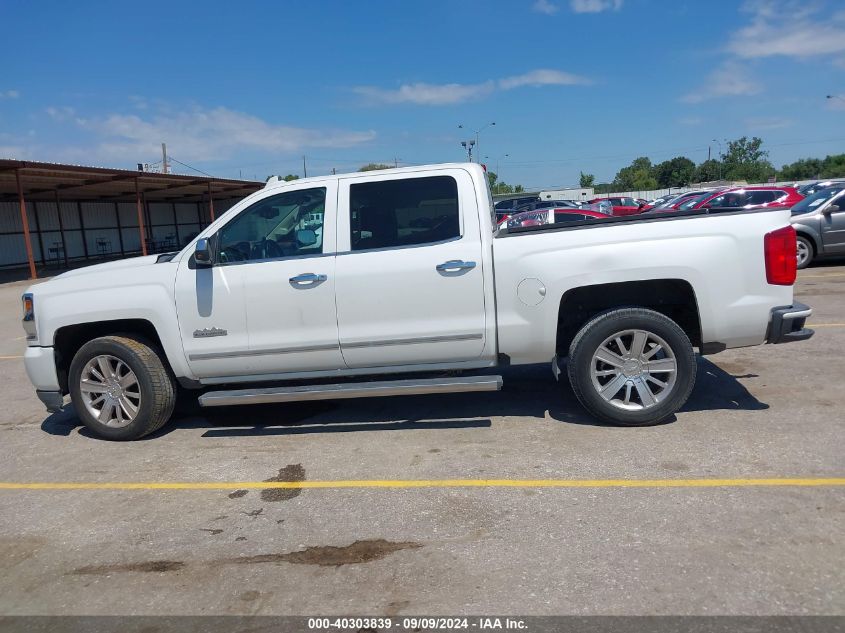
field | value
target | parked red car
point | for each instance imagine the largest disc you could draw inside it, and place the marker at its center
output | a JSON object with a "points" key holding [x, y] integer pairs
{"points": [[762, 197], [622, 206], [542, 216]]}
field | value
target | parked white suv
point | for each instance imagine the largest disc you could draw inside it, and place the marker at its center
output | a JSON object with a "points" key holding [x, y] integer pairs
{"points": [[388, 282]]}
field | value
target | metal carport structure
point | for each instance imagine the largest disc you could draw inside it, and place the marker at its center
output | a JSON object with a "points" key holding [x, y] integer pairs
{"points": [[56, 215]]}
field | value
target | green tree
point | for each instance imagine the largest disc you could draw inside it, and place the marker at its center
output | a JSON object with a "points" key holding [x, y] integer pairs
{"points": [[500, 186], [638, 176], [833, 166], [803, 169], [675, 172], [374, 166], [587, 180], [707, 171], [290, 177], [745, 159]]}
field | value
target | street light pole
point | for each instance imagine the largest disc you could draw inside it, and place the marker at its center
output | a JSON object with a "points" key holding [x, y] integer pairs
{"points": [[720, 157], [468, 146], [477, 132]]}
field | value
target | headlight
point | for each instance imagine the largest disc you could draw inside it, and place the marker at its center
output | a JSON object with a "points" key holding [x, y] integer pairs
{"points": [[29, 316]]}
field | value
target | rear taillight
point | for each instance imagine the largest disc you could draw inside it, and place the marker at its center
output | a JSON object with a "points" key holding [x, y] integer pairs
{"points": [[781, 253]]}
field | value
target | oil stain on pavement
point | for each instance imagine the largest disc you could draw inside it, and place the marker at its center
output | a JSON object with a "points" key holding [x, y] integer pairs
{"points": [[291, 472]]}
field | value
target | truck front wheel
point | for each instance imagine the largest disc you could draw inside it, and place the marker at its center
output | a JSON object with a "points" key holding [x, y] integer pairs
{"points": [[120, 388], [632, 367]]}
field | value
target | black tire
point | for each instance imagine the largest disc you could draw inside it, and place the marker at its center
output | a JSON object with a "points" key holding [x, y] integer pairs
{"points": [[588, 340], [811, 248], [157, 387]]}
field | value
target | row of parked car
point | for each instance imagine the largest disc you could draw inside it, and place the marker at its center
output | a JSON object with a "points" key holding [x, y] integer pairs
{"points": [[818, 210]]}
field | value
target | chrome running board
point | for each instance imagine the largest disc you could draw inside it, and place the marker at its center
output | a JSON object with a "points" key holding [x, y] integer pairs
{"points": [[411, 387]]}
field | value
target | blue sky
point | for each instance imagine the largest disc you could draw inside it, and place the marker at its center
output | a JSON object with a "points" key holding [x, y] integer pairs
{"points": [[249, 88]]}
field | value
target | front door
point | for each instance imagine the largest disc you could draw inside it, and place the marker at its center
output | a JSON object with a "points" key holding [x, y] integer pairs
{"points": [[267, 305], [410, 283], [833, 226]]}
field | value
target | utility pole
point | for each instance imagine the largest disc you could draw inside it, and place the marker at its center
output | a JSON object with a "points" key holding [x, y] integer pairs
{"points": [[304, 168], [164, 167], [334, 171]]}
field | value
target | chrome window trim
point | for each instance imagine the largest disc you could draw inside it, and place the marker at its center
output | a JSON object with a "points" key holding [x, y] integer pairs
{"points": [[399, 248]]}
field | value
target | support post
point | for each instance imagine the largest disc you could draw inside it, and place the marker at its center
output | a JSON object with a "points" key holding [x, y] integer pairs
{"points": [[119, 228], [210, 203], [140, 218], [61, 226], [25, 221]]}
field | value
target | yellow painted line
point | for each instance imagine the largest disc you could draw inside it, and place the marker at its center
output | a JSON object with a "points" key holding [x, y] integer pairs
{"points": [[10, 357], [431, 483], [812, 325]]}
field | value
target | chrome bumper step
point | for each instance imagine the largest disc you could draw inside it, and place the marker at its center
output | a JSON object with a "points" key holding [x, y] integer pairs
{"points": [[411, 387]]}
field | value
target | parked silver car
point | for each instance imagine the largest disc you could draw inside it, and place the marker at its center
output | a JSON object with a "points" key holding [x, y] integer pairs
{"points": [[819, 221]]}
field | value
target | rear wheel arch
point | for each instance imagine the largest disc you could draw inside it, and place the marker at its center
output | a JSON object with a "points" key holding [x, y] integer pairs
{"points": [[674, 298]]}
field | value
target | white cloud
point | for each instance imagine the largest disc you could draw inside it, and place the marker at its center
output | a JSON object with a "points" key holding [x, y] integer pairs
{"points": [[454, 93], [768, 123], [191, 134], [9, 94], [209, 134], [691, 120], [60, 113], [542, 77], [729, 80], [594, 6], [544, 6], [789, 29], [426, 94]]}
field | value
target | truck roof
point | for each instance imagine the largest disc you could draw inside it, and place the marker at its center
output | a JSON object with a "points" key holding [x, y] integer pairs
{"points": [[277, 181]]}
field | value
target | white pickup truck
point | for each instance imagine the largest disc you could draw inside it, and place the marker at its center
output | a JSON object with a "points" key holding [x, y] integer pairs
{"points": [[399, 282]]}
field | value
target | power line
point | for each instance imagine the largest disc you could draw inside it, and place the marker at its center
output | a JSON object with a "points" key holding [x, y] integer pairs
{"points": [[200, 171]]}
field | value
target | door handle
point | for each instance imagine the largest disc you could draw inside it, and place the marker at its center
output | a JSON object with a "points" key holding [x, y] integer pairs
{"points": [[454, 264], [307, 278]]}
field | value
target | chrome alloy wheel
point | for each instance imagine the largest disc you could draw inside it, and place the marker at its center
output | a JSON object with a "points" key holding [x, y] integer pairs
{"points": [[803, 252], [634, 370], [110, 391]]}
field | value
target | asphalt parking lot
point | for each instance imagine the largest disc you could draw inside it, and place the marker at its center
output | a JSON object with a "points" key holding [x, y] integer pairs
{"points": [[614, 548]]}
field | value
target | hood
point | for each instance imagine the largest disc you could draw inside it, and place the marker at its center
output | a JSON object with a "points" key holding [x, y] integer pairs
{"points": [[132, 262]]}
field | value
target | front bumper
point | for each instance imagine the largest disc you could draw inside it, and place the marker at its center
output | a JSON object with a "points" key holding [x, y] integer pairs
{"points": [[40, 363], [787, 324], [53, 400]]}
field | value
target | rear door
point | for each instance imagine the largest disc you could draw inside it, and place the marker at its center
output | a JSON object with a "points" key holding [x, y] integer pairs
{"points": [[409, 275]]}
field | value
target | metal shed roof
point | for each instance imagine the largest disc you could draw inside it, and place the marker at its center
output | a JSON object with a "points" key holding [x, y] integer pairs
{"points": [[41, 181]]}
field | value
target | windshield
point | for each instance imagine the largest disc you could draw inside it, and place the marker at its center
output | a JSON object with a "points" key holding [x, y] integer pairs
{"points": [[691, 202], [816, 200]]}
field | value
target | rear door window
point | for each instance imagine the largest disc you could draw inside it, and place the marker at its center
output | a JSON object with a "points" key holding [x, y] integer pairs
{"points": [[762, 197], [406, 212]]}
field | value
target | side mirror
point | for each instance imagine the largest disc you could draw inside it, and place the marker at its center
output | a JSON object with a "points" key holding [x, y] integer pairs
{"points": [[832, 209], [202, 252], [306, 237]]}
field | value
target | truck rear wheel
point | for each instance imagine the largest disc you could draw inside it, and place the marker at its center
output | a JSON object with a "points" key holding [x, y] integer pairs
{"points": [[632, 367], [120, 388]]}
